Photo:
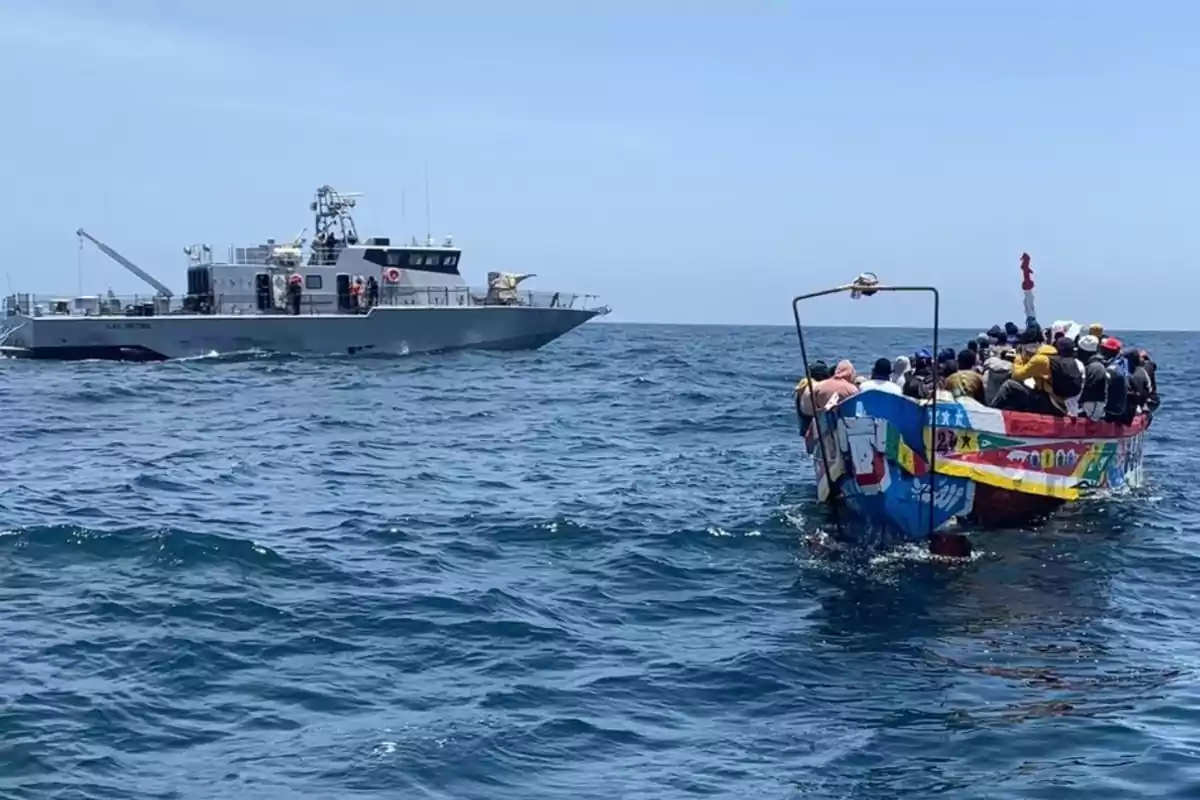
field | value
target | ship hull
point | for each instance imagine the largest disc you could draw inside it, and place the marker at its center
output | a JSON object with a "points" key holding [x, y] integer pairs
{"points": [[992, 468], [395, 330]]}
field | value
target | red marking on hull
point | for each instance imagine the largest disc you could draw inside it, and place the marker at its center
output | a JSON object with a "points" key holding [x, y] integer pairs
{"points": [[1002, 458], [875, 476], [1041, 426]]}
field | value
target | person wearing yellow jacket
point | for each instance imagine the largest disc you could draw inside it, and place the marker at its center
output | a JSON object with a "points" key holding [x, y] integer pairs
{"points": [[1055, 374]]}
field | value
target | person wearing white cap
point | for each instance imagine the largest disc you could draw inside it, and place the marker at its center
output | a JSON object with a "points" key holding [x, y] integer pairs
{"points": [[1095, 379]]}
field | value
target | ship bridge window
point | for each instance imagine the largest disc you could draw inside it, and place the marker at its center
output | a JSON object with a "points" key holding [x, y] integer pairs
{"points": [[312, 282], [401, 257]]}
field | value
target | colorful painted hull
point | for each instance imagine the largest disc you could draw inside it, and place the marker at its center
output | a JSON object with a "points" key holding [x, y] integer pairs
{"points": [[991, 467]]}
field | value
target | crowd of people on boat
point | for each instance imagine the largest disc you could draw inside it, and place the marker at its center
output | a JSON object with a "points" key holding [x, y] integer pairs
{"points": [[1065, 370]]}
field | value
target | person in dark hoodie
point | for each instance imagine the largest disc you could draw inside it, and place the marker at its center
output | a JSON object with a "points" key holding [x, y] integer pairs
{"points": [[1152, 372], [1012, 334], [947, 363], [1139, 386], [1118, 379], [921, 382], [1066, 373], [1095, 379]]}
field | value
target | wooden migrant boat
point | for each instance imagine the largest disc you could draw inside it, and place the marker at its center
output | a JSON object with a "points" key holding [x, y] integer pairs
{"points": [[908, 470]]}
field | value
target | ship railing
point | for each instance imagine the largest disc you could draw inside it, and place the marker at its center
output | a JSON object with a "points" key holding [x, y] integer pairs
{"points": [[46, 305], [473, 296], [312, 302]]}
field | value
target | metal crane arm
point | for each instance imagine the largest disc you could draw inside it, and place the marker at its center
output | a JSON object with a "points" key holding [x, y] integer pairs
{"points": [[126, 263]]}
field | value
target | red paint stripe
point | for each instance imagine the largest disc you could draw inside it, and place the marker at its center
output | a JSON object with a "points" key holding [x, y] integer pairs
{"points": [[1042, 426]]}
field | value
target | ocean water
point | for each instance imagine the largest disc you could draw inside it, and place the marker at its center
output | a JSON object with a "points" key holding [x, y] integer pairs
{"points": [[580, 572]]}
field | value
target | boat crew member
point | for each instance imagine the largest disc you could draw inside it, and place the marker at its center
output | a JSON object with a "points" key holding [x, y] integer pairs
{"points": [[372, 291], [295, 293]]}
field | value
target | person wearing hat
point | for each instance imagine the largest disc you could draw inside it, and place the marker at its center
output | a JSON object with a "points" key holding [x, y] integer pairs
{"points": [[1094, 396], [921, 382], [901, 367], [1118, 379], [946, 362]]}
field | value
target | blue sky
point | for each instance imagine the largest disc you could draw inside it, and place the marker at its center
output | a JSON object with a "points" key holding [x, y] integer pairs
{"points": [[691, 162]]}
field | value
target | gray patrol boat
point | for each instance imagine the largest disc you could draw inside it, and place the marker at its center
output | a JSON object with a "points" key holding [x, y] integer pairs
{"points": [[341, 296]]}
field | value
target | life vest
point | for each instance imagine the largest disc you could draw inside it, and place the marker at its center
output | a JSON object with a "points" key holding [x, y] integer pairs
{"points": [[1066, 376]]}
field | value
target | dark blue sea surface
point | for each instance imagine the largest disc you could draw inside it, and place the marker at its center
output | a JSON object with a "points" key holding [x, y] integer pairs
{"points": [[582, 572]]}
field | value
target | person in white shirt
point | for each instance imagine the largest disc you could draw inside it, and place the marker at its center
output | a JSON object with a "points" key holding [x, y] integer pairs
{"points": [[881, 379]]}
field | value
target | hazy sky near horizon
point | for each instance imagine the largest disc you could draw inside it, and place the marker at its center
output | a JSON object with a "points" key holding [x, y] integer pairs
{"points": [[691, 162]]}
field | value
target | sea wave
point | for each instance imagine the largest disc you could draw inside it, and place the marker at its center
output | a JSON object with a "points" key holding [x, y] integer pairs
{"points": [[593, 570]]}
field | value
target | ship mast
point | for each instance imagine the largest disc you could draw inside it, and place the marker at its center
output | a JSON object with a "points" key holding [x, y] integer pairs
{"points": [[333, 225]]}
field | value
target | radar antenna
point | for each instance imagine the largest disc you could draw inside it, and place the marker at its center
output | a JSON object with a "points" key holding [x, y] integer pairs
{"points": [[333, 226]]}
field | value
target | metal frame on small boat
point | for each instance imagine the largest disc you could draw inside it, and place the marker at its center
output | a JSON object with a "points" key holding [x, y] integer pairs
{"points": [[909, 470], [865, 285]]}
